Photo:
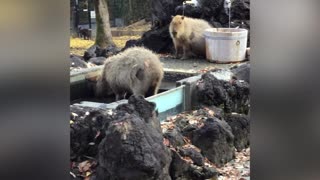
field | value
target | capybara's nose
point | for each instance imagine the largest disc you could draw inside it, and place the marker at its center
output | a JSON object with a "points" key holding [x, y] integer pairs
{"points": [[174, 33]]}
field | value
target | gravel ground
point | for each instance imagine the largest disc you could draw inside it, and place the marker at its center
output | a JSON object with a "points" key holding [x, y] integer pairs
{"points": [[187, 65], [191, 65]]}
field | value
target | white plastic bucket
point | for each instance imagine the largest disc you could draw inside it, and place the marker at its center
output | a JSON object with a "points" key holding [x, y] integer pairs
{"points": [[226, 44]]}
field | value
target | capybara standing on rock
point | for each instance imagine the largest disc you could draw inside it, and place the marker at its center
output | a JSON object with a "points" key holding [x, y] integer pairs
{"points": [[187, 33], [136, 71]]}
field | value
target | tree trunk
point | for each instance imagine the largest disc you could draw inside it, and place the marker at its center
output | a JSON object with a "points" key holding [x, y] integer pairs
{"points": [[104, 36]]}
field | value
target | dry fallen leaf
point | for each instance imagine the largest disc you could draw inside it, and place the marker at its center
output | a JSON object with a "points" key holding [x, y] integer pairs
{"points": [[97, 135], [166, 142], [187, 159], [211, 113], [74, 114], [88, 174], [72, 174], [84, 166]]}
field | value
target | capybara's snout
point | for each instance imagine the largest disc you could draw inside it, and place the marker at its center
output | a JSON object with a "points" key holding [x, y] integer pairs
{"points": [[174, 33]]}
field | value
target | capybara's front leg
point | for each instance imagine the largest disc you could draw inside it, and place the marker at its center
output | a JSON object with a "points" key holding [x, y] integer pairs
{"points": [[186, 49], [177, 47], [176, 54]]}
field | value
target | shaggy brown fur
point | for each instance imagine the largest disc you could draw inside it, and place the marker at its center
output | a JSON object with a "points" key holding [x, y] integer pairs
{"points": [[84, 33], [187, 33], [136, 71]]}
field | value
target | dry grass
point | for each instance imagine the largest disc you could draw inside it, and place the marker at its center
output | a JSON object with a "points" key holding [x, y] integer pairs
{"points": [[79, 46]]}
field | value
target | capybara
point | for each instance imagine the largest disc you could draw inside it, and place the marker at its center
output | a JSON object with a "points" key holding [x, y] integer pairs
{"points": [[187, 33], [134, 71], [85, 33]]}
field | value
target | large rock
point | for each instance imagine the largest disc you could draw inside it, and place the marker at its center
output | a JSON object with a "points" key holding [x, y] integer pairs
{"points": [[106, 52], [133, 146], [239, 92], [196, 156], [209, 10], [178, 168], [90, 53], [240, 125], [212, 11], [211, 91], [96, 51], [215, 140], [242, 72], [86, 131], [182, 170], [158, 40], [76, 61], [97, 60], [131, 43], [240, 10], [189, 11], [232, 96], [174, 136], [162, 10]]}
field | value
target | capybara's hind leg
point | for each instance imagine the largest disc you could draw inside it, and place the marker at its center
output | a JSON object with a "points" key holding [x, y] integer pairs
{"points": [[186, 50], [120, 96]]}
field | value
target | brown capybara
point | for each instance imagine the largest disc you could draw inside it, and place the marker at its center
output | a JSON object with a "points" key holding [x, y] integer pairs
{"points": [[134, 71], [187, 34], [85, 33]]}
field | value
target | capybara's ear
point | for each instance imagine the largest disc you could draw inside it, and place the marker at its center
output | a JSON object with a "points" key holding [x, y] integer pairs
{"points": [[182, 17]]}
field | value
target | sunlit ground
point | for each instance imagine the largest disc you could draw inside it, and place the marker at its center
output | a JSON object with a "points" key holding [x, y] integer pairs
{"points": [[78, 46]]}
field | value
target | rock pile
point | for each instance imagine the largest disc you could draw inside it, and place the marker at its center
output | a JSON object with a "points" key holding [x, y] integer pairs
{"points": [[130, 143], [94, 56], [232, 96], [158, 38]]}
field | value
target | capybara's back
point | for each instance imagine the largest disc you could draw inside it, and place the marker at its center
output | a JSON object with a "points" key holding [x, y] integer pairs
{"points": [[136, 70]]}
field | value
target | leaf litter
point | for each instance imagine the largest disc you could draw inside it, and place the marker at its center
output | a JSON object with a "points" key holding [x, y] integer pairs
{"points": [[238, 168]]}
